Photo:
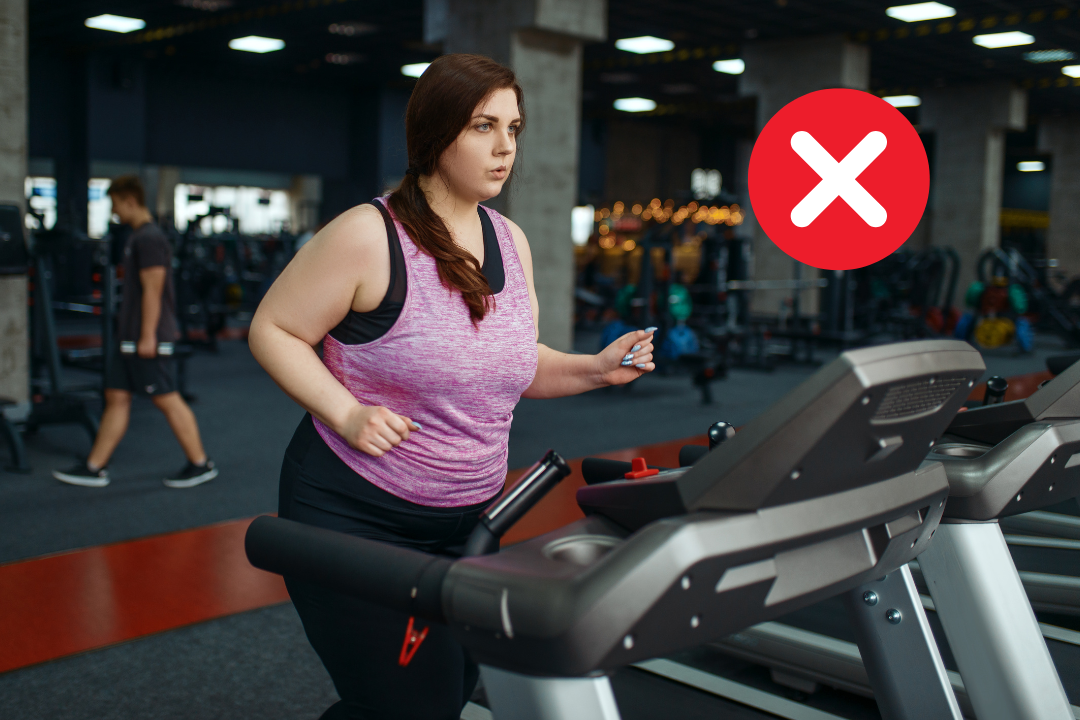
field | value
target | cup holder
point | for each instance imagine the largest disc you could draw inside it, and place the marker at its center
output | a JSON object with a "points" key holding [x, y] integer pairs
{"points": [[580, 550], [960, 450]]}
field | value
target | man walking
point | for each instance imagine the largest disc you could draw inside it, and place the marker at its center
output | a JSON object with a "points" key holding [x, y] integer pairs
{"points": [[144, 365]]}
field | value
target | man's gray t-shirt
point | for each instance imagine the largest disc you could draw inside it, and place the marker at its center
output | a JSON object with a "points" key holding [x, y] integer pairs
{"points": [[147, 247]]}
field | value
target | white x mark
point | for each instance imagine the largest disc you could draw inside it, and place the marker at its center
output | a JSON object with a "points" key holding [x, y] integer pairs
{"points": [[838, 179]]}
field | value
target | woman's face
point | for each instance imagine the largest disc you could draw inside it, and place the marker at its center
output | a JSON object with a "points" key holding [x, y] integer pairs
{"points": [[477, 164]]}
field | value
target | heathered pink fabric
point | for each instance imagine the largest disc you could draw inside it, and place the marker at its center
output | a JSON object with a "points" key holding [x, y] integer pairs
{"points": [[459, 381]]}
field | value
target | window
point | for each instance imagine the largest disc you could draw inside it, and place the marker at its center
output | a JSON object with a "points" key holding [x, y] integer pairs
{"points": [[256, 210], [705, 183]]}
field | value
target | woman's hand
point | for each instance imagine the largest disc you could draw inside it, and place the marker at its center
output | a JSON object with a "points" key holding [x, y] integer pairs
{"points": [[375, 429], [628, 358]]}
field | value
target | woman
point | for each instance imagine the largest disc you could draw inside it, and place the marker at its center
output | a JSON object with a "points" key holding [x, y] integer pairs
{"points": [[425, 306]]}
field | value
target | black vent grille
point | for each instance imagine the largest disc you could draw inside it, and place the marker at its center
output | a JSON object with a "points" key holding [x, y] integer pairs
{"points": [[916, 398]]}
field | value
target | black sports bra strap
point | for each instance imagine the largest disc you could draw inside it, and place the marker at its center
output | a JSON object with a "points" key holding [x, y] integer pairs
{"points": [[397, 287]]}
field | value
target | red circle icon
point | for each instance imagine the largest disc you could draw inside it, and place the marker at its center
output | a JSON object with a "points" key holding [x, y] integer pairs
{"points": [[838, 179]]}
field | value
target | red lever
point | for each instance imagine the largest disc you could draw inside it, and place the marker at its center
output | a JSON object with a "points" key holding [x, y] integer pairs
{"points": [[641, 470], [411, 644]]}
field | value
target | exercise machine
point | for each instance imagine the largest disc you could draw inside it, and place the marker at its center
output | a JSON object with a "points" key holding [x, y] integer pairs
{"points": [[824, 492], [1006, 462]]}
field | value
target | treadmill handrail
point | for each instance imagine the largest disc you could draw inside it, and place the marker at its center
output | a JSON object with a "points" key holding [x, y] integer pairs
{"points": [[398, 578]]}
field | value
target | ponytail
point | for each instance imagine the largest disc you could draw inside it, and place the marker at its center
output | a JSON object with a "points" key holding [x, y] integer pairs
{"points": [[458, 268]]}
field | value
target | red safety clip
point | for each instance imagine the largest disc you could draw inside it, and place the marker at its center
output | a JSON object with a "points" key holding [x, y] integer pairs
{"points": [[641, 470], [411, 644]]}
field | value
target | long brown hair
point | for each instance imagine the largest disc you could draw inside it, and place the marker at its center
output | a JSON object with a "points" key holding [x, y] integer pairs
{"points": [[441, 106]]}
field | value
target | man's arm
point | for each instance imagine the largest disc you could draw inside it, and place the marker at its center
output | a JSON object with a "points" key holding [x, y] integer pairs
{"points": [[153, 284]]}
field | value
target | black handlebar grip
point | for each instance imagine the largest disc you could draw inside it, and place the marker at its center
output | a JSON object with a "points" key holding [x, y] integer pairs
{"points": [[528, 491], [995, 390], [599, 470], [508, 509], [690, 454], [406, 580]]}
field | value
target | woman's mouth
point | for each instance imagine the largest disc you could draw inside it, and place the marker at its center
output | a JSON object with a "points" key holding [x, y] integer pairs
{"points": [[499, 172]]}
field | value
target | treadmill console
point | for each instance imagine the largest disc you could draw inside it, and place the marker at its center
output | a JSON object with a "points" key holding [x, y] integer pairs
{"points": [[848, 426]]}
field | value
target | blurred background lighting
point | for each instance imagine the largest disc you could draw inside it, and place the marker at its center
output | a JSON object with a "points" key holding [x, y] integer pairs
{"points": [[1071, 71], [256, 44], [581, 223], [635, 104], [1047, 56], [115, 23], [1031, 166], [903, 100], [1003, 39], [731, 67], [920, 11], [414, 70], [644, 44]]}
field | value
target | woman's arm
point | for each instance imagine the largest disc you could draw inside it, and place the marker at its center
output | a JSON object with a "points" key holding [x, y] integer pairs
{"points": [[345, 266], [560, 374]]}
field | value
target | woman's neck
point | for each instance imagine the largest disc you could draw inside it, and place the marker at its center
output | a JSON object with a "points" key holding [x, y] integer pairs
{"points": [[456, 211]]}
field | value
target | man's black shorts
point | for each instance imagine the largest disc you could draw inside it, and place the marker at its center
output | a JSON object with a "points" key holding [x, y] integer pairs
{"points": [[142, 376]]}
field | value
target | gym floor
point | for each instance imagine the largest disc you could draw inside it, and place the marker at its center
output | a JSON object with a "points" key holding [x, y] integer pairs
{"points": [[257, 663]]}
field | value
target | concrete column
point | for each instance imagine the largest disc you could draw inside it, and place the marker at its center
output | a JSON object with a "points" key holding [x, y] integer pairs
{"points": [[776, 73], [969, 123], [1060, 136], [305, 197], [168, 177], [542, 41], [14, 347]]}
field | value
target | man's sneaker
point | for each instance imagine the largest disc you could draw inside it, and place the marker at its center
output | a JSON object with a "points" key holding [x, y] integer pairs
{"points": [[192, 475], [81, 474]]}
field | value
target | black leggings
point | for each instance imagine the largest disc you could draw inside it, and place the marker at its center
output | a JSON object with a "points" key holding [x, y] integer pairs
{"points": [[359, 642]]}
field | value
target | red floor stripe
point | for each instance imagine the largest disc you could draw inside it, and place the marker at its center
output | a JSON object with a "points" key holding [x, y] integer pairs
{"points": [[59, 605]]}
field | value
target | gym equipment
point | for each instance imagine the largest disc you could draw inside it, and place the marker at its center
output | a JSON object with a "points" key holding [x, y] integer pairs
{"points": [[823, 492], [907, 294], [223, 274], [1002, 459], [14, 260], [1027, 292]]}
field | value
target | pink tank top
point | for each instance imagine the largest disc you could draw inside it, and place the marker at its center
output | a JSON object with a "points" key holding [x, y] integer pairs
{"points": [[459, 381]]}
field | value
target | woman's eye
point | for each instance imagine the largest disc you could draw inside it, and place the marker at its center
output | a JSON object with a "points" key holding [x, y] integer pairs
{"points": [[484, 127], [513, 129]]}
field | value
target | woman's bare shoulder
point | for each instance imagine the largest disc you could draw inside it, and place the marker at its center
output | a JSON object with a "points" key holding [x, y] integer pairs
{"points": [[359, 230]]}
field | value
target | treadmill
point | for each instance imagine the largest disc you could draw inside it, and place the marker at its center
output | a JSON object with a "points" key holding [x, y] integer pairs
{"points": [[824, 493], [1002, 461]]}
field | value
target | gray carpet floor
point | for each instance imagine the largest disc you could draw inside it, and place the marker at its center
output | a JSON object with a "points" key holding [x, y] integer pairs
{"points": [[259, 664]]}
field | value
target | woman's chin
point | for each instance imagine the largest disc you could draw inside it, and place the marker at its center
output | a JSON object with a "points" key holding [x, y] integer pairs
{"points": [[490, 189]]}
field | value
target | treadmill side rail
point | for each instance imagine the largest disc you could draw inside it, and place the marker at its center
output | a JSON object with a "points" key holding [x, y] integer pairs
{"points": [[524, 697], [899, 651], [992, 631], [587, 598]]}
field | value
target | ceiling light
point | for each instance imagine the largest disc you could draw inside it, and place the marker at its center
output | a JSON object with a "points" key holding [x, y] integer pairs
{"points": [[1003, 39], [920, 11], [256, 44], [731, 67], [903, 100], [1031, 166], [644, 44], [115, 23], [635, 104], [1071, 71], [1048, 56], [414, 70]]}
